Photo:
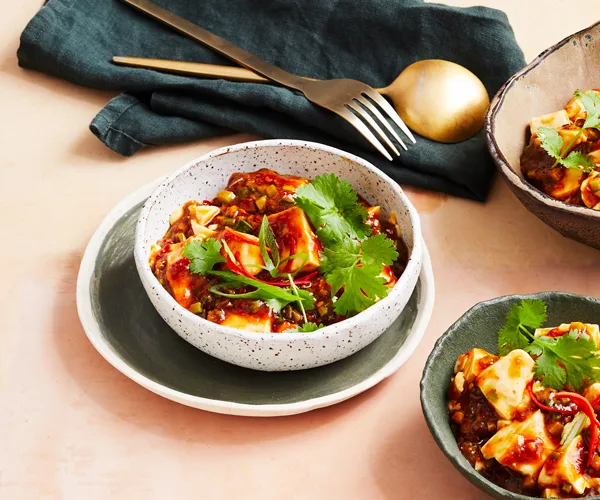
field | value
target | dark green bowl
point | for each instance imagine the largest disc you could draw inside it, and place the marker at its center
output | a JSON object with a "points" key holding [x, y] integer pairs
{"points": [[478, 327]]}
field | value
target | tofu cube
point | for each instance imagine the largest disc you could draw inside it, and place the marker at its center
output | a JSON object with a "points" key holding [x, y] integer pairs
{"points": [[259, 323], [552, 120], [244, 247], [294, 235], [569, 185], [201, 233], [563, 467], [504, 383], [203, 214], [591, 330], [178, 275], [521, 446], [473, 363], [176, 215]]}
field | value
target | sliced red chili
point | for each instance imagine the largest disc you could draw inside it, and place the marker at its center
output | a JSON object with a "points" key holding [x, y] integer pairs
{"points": [[239, 268], [586, 407], [546, 407]]}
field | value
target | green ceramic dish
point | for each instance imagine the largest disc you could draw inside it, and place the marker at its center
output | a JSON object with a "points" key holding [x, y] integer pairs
{"points": [[478, 327]]}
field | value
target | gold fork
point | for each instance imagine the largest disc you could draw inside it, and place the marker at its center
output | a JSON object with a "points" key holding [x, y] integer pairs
{"points": [[352, 100]]}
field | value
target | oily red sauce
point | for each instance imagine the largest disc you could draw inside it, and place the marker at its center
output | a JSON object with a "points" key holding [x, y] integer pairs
{"points": [[478, 423], [275, 194], [538, 168]]}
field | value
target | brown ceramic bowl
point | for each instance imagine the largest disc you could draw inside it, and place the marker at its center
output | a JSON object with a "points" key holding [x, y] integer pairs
{"points": [[542, 87]]}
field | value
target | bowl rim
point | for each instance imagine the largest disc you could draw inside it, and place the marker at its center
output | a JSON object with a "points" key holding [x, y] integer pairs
{"points": [[414, 262], [504, 165], [455, 456]]}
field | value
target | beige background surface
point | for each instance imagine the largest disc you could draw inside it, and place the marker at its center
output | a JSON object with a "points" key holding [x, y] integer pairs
{"points": [[72, 427]]}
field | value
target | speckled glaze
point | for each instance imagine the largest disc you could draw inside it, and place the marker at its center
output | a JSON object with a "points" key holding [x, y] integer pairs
{"points": [[544, 86], [478, 327], [202, 179]]}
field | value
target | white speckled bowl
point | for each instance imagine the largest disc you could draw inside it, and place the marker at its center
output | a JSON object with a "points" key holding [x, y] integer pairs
{"points": [[202, 178]]}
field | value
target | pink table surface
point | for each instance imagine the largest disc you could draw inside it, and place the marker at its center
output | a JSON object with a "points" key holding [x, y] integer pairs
{"points": [[72, 427]]}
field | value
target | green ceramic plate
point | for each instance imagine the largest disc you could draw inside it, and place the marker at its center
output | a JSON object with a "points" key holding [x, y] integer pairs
{"points": [[479, 327], [124, 327]]}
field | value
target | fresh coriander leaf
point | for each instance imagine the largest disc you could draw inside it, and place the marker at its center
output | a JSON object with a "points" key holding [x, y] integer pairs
{"points": [[551, 141], [356, 267], [309, 327], [276, 304], [527, 314], [579, 160], [532, 313], [580, 358], [510, 338], [362, 288], [306, 327], [591, 103], [332, 206], [567, 360], [266, 239], [346, 254], [534, 349], [378, 251], [203, 255], [547, 368]]}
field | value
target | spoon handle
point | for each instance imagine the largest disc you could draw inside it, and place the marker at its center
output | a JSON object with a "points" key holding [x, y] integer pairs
{"points": [[231, 73]]}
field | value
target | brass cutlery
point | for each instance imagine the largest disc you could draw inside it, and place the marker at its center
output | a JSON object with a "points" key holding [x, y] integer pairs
{"points": [[359, 104], [440, 100]]}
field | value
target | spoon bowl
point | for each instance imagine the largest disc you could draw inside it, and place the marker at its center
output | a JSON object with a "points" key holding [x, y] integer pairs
{"points": [[439, 100]]}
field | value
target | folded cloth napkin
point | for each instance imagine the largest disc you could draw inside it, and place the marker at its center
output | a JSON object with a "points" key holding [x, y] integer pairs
{"points": [[368, 40]]}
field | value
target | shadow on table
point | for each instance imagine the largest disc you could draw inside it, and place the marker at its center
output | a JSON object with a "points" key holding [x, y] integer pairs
{"points": [[125, 401], [406, 463]]}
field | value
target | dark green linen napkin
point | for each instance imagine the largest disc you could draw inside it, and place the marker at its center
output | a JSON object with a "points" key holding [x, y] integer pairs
{"points": [[369, 40]]}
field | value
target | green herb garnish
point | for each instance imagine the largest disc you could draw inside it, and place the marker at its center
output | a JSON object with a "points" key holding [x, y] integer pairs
{"points": [[357, 267], [332, 206], [284, 296], [266, 239], [553, 143], [570, 360], [203, 255], [309, 327], [348, 260]]}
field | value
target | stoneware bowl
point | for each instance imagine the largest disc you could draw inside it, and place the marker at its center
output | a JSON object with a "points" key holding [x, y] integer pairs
{"points": [[544, 86], [478, 327], [202, 179]]}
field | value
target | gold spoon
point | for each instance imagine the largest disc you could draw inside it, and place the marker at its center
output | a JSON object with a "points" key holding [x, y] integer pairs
{"points": [[437, 99]]}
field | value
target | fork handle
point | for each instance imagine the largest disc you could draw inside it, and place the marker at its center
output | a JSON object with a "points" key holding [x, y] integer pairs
{"points": [[218, 44]]}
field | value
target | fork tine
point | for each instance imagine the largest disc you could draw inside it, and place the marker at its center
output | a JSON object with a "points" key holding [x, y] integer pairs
{"points": [[386, 106], [374, 125], [373, 109], [351, 118]]}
